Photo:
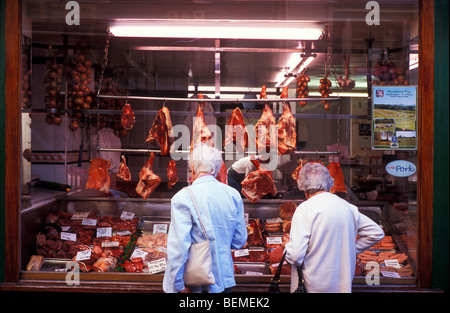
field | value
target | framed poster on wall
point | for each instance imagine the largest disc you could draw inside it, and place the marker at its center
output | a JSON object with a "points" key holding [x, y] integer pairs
{"points": [[394, 117]]}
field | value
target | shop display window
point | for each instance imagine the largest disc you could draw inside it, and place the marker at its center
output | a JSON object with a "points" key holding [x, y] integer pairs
{"points": [[97, 77]]}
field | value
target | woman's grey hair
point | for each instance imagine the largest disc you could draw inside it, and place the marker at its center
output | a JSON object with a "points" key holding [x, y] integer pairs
{"points": [[205, 159], [314, 176]]}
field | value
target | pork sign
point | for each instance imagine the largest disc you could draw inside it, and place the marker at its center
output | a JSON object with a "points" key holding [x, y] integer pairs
{"points": [[401, 168]]}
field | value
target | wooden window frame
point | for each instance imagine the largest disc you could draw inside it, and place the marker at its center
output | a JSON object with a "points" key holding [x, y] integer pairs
{"points": [[425, 142]]}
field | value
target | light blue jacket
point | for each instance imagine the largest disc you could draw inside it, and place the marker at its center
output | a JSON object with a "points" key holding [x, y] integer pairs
{"points": [[222, 213]]}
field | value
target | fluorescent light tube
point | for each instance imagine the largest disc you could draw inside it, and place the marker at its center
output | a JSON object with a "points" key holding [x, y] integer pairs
{"points": [[294, 70], [217, 29]]}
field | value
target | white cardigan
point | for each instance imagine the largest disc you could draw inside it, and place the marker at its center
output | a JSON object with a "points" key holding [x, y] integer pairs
{"points": [[323, 237]]}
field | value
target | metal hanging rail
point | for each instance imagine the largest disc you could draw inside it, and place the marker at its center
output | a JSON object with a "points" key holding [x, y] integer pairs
{"points": [[214, 100], [143, 151]]}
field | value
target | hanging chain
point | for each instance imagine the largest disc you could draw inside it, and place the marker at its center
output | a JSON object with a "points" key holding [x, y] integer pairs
{"points": [[328, 71], [100, 82]]}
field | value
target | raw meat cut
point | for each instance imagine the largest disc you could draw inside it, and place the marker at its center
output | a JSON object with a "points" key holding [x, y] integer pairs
{"points": [[336, 173], [152, 240], [222, 176], [264, 138], [172, 174], [148, 181], [287, 134], [263, 94], [105, 264], [134, 265], [284, 92], [254, 233], [287, 210], [258, 183], [236, 131], [161, 131], [275, 255], [98, 177], [127, 117], [299, 167], [124, 171], [200, 132]]}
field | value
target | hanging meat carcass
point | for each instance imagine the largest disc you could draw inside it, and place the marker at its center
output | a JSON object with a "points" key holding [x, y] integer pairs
{"points": [[172, 174], [287, 134], [161, 131], [302, 162], [236, 131], [264, 137], [127, 117], [336, 173], [222, 176], [258, 183], [148, 181], [200, 132], [124, 171], [98, 177]]}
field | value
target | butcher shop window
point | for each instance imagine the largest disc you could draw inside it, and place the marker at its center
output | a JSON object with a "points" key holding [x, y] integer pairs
{"points": [[105, 80]]}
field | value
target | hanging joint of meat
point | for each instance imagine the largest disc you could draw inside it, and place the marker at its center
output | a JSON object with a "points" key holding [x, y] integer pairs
{"points": [[127, 117], [287, 134], [236, 131], [200, 132], [265, 137], [258, 184], [98, 176], [161, 131], [336, 173], [172, 173], [124, 171], [148, 181]]}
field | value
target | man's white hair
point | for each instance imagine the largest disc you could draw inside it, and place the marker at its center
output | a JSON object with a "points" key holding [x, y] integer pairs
{"points": [[314, 176], [205, 159]]}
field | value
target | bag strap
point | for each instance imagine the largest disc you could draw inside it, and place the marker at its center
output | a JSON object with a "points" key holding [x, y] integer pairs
{"points": [[196, 210], [276, 278]]}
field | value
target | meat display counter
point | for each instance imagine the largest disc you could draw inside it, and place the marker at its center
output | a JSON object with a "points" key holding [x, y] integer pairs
{"points": [[118, 231]]}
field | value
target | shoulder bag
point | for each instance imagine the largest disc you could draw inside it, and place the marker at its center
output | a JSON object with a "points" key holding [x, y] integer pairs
{"points": [[274, 286], [198, 268]]}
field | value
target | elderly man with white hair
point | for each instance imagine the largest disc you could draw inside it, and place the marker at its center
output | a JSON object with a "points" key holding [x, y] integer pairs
{"points": [[222, 213], [323, 239]]}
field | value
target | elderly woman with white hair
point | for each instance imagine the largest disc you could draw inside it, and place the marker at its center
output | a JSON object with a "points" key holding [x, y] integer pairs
{"points": [[323, 239], [222, 213]]}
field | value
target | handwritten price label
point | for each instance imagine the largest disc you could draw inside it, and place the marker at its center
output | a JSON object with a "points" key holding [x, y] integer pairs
{"points": [[83, 255], [157, 266], [104, 232]]}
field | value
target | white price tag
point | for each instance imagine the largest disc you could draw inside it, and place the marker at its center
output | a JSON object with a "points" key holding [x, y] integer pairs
{"points": [[65, 228], [68, 236], [104, 232], [274, 240], [390, 274], [393, 263], [160, 228], [89, 222], [123, 233], [83, 255], [241, 252], [157, 266], [127, 215], [138, 253]]}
